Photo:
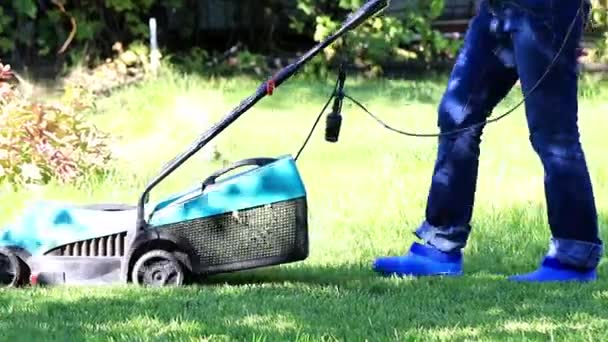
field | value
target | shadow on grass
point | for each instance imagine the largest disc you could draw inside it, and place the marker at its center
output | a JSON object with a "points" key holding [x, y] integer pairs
{"points": [[314, 302]]}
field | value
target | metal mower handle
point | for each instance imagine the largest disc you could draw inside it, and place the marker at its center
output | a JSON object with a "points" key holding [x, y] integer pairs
{"points": [[246, 162], [369, 9]]}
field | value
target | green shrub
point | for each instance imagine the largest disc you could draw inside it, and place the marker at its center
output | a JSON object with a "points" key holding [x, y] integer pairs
{"points": [[71, 30], [382, 38], [599, 25], [41, 142], [85, 30]]}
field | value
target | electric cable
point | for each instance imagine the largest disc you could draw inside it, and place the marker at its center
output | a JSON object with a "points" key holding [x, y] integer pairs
{"points": [[314, 126], [500, 117], [455, 131]]}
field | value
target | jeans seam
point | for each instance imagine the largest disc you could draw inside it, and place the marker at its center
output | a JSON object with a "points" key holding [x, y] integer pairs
{"points": [[433, 235], [579, 253]]}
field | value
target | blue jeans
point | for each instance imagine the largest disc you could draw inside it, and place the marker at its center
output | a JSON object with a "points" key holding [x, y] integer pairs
{"points": [[509, 40]]}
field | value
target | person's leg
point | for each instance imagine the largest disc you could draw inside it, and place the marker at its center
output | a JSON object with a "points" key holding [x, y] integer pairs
{"points": [[479, 80], [552, 118]]}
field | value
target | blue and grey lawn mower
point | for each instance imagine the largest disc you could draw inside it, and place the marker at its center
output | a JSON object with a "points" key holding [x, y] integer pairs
{"points": [[255, 218]]}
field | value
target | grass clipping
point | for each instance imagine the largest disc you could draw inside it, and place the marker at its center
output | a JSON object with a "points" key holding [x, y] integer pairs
{"points": [[40, 142]]}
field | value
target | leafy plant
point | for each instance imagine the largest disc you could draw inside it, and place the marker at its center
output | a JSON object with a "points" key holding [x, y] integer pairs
{"points": [[380, 39], [65, 29], [599, 23], [40, 142], [599, 13]]}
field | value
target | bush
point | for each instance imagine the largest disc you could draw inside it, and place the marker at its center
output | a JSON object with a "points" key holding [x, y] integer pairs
{"points": [[59, 34], [599, 25], [65, 33], [85, 30], [380, 39], [40, 142]]}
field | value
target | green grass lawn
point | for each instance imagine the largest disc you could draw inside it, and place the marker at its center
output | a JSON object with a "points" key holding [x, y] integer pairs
{"points": [[366, 194]]}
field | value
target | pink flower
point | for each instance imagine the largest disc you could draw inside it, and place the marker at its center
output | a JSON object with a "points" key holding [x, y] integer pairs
{"points": [[5, 72]]}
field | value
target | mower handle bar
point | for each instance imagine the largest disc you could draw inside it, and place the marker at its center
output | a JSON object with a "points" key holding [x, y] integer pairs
{"points": [[369, 9], [246, 162]]}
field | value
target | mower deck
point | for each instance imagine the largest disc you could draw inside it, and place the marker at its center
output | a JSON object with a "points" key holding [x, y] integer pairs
{"points": [[253, 219]]}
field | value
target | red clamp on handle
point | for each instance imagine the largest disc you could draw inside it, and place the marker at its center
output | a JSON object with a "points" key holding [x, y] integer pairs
{"points": [[270, 85]]}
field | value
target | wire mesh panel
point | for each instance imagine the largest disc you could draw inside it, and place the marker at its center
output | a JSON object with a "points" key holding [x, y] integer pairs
{"points": [[255, 237]]}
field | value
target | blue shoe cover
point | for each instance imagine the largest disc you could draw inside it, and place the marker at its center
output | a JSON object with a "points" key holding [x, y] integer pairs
{"points": [[422, 260], [551, 270]]}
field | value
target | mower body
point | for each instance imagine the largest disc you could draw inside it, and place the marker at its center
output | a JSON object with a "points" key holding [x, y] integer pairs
{"points": [[252, 219]]}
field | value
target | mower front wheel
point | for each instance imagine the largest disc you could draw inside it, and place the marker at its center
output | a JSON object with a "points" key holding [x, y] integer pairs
{"points": [[158, 268], [11, 269]]}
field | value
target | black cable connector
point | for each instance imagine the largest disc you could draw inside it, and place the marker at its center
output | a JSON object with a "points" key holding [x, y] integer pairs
{"points": [[333, 122]]}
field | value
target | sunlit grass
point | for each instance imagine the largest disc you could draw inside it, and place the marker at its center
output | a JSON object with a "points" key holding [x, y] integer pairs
{"points": [[366, 194]]}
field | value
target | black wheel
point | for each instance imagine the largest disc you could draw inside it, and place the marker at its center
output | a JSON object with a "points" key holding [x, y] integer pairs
{"points": [[10, 269], [158, 268]]}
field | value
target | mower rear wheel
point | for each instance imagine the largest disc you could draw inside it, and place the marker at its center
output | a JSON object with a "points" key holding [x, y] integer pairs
{"points": [[10, 269], [158, 268]]}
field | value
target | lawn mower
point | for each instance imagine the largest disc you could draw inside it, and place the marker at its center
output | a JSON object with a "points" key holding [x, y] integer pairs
{"points": [[254, 218]]}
